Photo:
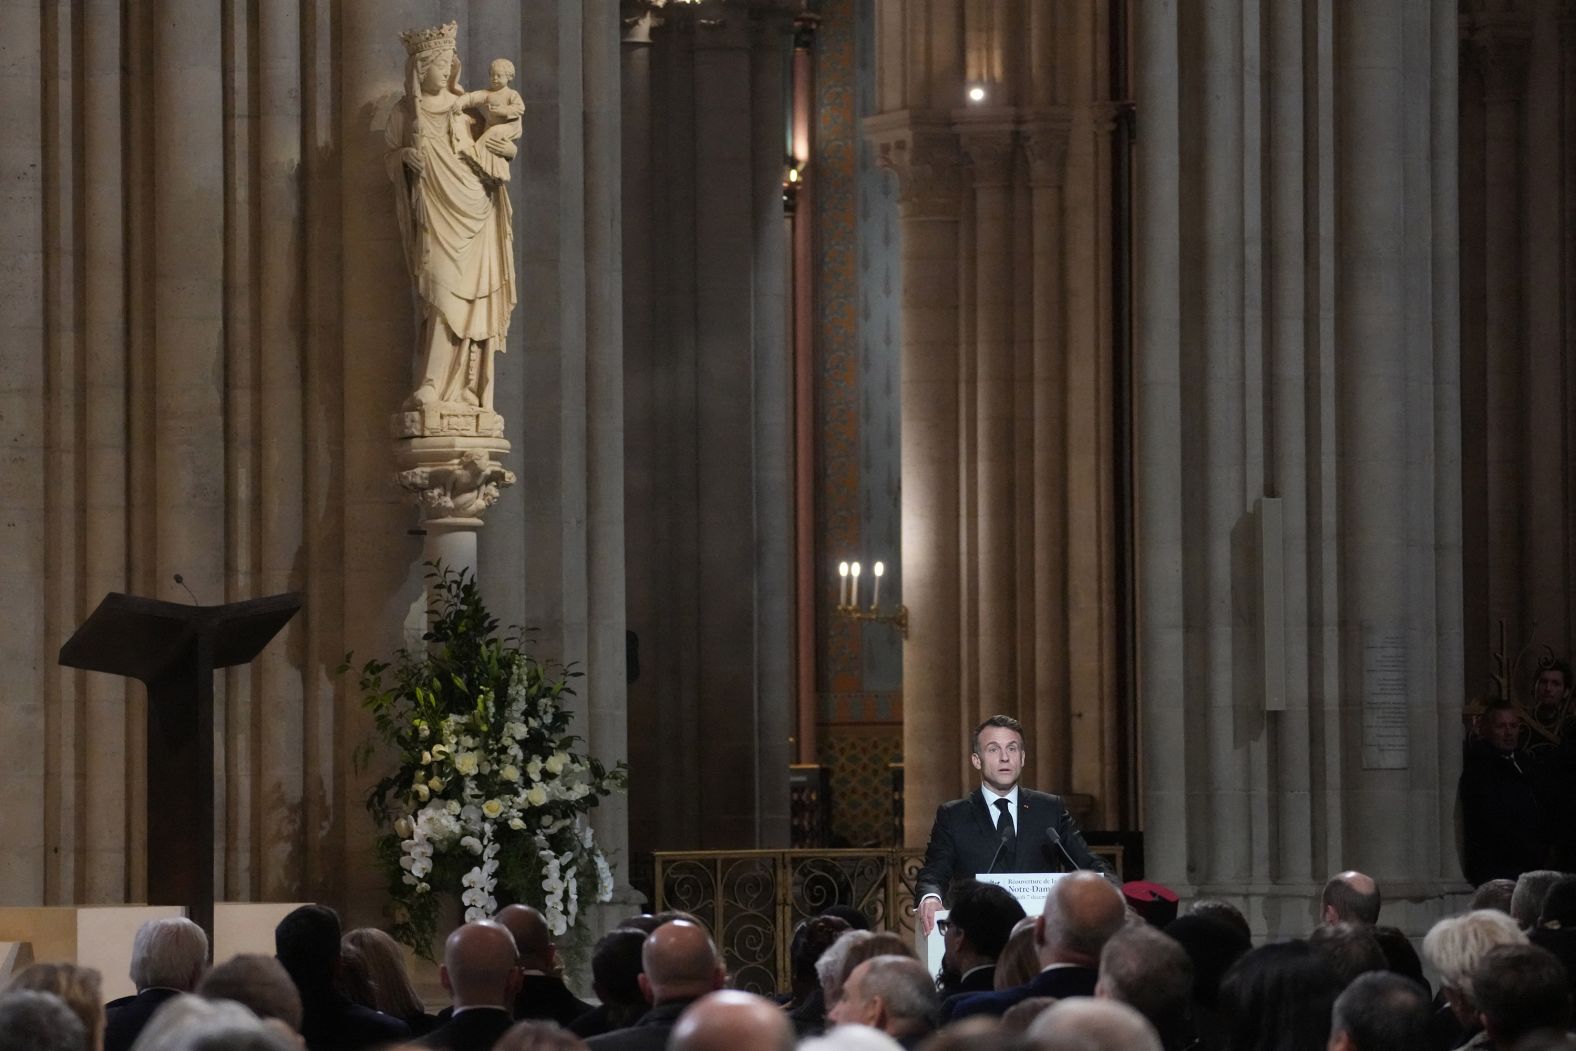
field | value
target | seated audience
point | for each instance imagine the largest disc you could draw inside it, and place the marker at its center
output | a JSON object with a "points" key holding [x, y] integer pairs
{"points": [[1453, 948], [307, 944], [1151, 973], [1019, 960], [894, 994], [1399, 956], [855, 918], [34, 1021], [540, 1036], [352, 977], [974, 934], [1212, 943], [1495, 894], [1278, 998], [1556, 927], [1223, 911], [806, 1003], [543, 994], [1519, 989], [1380, 1011], [1349, 897], [1082, 1024], [80, 988], [1154, 903], [258, 983], [481, 974], [1082, 912], [729, 1020], [1019, 1017], [190, 1023], [680, 965], [1350, 949], [1526, 901], [829, 967], [392, 992], [974, 1034], [167, 957], [615, 979], [851, 1038]]}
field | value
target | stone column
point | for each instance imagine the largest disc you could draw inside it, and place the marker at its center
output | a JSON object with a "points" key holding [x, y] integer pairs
{"points": [[923, 154]]}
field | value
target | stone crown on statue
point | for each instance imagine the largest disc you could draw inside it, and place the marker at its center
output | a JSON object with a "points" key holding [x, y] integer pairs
{"points": [[419, 41]]}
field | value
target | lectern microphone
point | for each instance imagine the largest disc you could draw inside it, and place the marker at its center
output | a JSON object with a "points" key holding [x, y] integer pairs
{"points": [[1000, 846], [182, 582], [1056, 841]]}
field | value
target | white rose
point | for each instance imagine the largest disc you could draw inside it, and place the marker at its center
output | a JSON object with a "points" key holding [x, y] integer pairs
{"points": [[421, 792], [537, 796], [467, 763], [434, 783], [555, 763], [402, 827], [533, 769], [510, 773], [516, 824], [453, 807], [492, 808]]}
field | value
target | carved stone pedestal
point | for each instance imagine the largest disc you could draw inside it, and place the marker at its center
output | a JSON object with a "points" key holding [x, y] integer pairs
{"points": [[454, 476]]}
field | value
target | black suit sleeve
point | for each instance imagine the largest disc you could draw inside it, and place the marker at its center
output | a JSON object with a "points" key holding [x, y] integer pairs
{"points": [[941, 854]]}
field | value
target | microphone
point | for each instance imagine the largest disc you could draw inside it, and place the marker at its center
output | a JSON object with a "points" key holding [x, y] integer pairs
{"points": [[1000, 846], [1056, 841], [179, 580]]}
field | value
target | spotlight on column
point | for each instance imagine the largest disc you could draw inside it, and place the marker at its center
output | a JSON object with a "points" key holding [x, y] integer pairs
{"points": [[977, 94]]}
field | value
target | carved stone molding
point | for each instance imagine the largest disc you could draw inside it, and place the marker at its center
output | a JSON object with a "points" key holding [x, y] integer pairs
{"points": [[990, 150], [1045, 138], [452, 478], [1497, 45], [922, 152]]}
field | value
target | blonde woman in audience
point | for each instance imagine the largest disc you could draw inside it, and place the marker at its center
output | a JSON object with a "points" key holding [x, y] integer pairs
{"points": [[391, 986], [1453, 947], [81, 988], [1020, 960]]}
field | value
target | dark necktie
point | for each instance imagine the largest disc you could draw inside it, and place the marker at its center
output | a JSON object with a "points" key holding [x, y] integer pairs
{"points": [[1004, 830]]}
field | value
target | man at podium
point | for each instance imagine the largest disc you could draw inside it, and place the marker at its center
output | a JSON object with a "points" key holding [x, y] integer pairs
{"points": [[1000, 827]]}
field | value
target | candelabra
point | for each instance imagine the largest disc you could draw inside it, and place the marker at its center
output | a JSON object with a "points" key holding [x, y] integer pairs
{"points": [[848, 604]]}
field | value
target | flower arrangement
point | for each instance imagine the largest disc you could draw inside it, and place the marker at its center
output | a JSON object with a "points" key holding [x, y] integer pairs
{"points": [[490, 796]]}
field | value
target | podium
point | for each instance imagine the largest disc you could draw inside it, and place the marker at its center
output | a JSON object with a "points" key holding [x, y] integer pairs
{"points": [[174, 649], [1030, 888]]}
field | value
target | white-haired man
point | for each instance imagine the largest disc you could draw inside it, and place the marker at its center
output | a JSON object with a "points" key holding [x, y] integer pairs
{"points": [[168, 957]]}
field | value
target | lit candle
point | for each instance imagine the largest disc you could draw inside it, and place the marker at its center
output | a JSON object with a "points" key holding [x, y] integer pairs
{"points": [[842, 584], [853, 571], [879, 569]]}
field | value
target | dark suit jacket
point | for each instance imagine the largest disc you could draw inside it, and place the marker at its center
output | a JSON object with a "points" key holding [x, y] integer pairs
{"points": [[648, 1034], [1059, 982], [545, 997], [125, 1017], [474, 1029], [963, 840], [979, 980], [330, 1022]]}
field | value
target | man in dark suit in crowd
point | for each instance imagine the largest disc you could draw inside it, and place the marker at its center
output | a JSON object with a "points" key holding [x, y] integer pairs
{"points": [[1505, 822], [1083, 911], [1001, 827], [973, 936], [1380, 1011], [481, 974], [543, 994], [894, 994], [681, 964], [307, 944], [167, 958]]}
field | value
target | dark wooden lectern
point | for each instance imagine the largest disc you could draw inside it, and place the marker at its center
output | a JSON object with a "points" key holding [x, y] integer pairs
{"points": [[174, 650]]}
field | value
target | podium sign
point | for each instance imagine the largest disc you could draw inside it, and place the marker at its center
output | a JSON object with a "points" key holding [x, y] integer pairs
{"points": [[1030, 888], [174, 649]]}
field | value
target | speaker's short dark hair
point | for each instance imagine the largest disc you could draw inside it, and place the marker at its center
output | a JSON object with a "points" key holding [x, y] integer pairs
{"points": [[1520, 988], [986, 914], [1382, 1010], [1005, 722]]}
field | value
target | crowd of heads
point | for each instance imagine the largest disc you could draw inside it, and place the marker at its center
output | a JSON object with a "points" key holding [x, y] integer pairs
{"points": [[1088, 972]]}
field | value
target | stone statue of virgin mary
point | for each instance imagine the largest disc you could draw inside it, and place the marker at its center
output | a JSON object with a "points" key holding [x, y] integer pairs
{"points": [[456, 225]]}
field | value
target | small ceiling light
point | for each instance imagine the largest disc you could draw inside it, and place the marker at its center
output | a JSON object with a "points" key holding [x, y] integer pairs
{"points": [[976, 94]]}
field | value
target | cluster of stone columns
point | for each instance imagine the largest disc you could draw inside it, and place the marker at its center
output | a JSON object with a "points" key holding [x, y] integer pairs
{"points": [[1297, 419], [708, 421], [998, 134], [210, 325]]}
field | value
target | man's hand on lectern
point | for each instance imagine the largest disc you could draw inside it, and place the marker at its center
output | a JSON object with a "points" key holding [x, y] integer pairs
{"points": [[927, 913]]}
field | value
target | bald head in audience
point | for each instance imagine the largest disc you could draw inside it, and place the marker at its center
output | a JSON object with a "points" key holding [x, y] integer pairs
{"points": [[1083, 1024], [1082, 912], [681, 963], [481, 966], [532, 940], [1349, 897], [729, 1020]]}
